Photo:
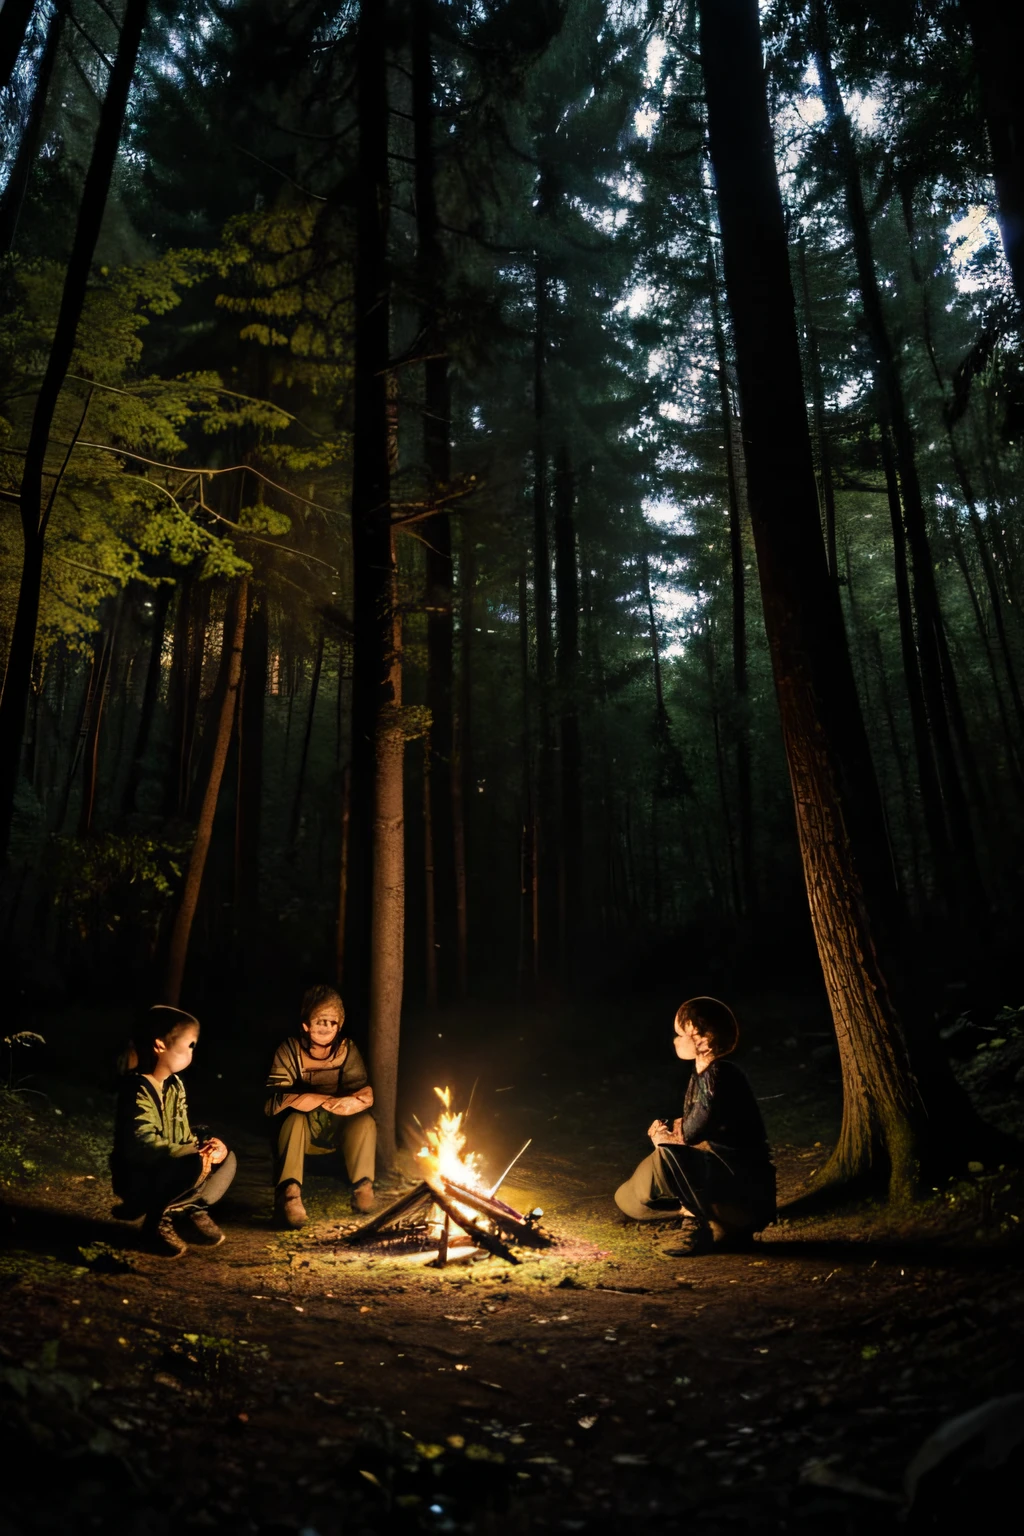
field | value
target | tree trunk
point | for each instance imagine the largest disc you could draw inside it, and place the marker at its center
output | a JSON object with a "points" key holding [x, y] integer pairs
{"points": [[529, 969], [429, 914], [376, 872], [91, 751], [570, 846], [838, 810], [997, 32], [346, 817], [150, 694], [747, 889], [314, 688], [234, 639], [35, 507], [388, 919], [437, 533], [826, 489], [32, 134], [547, 839], [250, 755], [938, 683], [14, 23], [462, 759]]}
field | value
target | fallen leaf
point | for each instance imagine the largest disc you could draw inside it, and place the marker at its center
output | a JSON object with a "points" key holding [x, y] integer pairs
{"points": [[370, 1477]]}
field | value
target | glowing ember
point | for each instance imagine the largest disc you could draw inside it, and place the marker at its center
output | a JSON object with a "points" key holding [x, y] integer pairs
{"points": [[444, 1153]]}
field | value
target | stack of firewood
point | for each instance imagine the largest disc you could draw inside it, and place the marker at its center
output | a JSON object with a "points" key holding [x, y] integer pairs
{"points": [[490, 1224]]}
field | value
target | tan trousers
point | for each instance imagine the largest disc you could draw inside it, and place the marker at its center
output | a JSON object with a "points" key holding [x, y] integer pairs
{"points": [[318, 1131]]}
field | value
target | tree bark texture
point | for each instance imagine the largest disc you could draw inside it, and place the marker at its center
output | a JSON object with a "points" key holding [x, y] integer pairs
{"points": [[570, 843], [253, 705], [547, 838], [234, 639], [741, 728], [376, 864], [388, 915], [35, 506], [437, 533], [839, 818]]}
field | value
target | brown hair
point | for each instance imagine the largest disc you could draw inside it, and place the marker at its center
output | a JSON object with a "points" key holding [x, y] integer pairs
{"points": [[161, 1022], [315, 997], [712, 1019]]}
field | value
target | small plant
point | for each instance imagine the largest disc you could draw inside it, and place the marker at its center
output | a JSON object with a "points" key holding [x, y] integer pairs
{"points": [[23, 1039]]}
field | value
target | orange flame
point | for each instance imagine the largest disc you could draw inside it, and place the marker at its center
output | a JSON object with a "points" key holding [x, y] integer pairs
{"points": [[446, 1140]]}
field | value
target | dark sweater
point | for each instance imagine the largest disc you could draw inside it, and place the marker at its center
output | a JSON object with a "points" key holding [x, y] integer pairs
{"points": [[719, 1108]]}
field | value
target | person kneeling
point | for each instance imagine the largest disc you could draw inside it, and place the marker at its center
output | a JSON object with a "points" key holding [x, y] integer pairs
{"points": [[159, 1168], [320, 1102], [712, 1163]]}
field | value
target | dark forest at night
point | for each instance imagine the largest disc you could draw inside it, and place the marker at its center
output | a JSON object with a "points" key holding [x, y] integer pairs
{"points": [[511, 765]]}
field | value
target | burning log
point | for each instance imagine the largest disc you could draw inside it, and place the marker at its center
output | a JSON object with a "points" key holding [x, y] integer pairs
{"points": [[484, 1239], [405, 1205], [507, 1220], [486, 1221]]}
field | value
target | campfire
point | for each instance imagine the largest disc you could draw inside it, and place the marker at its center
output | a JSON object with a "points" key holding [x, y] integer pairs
{"points": [[452, 1203]]}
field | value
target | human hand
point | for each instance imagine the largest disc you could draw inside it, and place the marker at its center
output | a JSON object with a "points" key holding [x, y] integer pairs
{"points": [[338, 1105], [656, 1128], [206, 1155], [218, 1151]]}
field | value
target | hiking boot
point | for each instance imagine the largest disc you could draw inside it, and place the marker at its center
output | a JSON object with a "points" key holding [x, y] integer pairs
{"points": [[198, 1226], [289, 1210], [694, 1239], [363, 1200], [160, 1237]]}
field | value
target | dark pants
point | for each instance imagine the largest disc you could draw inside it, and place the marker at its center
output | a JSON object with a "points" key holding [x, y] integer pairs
{"points": [[703, 1185], [177, 1185]]}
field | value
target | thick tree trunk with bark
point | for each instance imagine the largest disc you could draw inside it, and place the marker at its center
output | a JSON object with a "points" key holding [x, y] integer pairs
{"points": [[437, 533], [546, 872], [838, 811], [234, 639], [570, 873], [35, 503], [388, 916], [376, 866], [747, 902]]}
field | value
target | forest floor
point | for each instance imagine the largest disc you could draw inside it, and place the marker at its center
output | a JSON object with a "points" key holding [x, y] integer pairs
{"points": [[286, 1383]]}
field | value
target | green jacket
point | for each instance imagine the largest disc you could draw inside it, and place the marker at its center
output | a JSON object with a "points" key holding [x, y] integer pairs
{"points": [[149, 1127]]}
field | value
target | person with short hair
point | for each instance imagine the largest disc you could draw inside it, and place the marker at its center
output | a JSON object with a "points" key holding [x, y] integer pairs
{"points": [[159, 1168], [319, 1100], [711, 1165]]}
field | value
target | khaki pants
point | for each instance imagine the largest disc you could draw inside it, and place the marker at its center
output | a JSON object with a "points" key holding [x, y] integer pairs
{"points": [[298, 1134]]}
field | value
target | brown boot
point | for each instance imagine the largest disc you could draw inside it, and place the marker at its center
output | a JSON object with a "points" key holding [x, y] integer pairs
{"points": [[160, 1237], [289, 1210], [362, 1198]]}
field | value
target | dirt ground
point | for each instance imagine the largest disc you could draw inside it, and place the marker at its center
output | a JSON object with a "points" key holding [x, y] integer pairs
{"points": [[289, 1383]]}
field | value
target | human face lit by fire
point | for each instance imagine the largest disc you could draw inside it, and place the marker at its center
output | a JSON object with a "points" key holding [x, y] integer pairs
{"points": [[322, 1028], [689, 1043], [175, 1054]]}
